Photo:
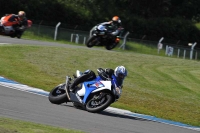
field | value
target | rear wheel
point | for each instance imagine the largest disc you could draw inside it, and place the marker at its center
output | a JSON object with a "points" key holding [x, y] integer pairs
{"points": [[91, 41], [13, 35], [111, 46], [99, 102], [58, 95]]}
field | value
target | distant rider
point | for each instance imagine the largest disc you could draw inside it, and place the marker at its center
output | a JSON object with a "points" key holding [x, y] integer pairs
{"points": [[115, 25], [116, 76], [21, 24]]}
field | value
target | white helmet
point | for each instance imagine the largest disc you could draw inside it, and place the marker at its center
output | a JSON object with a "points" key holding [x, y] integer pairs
{"points": [[120, 73], [21, 15]]}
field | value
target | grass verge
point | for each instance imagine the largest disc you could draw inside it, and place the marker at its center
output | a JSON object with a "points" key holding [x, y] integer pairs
{"points": [[16, 126]]}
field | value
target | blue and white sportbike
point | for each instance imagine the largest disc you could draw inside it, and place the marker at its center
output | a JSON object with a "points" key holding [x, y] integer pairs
{"points": [[93, 96]]}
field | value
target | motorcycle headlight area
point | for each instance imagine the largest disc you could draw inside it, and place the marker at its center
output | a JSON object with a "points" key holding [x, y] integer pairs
{"points": [[101, 28], [101, 33]]}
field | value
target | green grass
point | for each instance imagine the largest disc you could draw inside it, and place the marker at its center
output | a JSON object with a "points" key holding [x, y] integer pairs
{"points": [[144, 48], [17, 126], [198, 25], [160, 86]]}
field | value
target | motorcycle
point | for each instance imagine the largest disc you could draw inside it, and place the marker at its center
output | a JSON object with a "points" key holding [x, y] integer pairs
{"points": [[101, 36], [93, 96], [6, 26]]}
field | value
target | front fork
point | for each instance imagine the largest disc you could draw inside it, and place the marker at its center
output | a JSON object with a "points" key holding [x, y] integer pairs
{"points": [[67, 87]]}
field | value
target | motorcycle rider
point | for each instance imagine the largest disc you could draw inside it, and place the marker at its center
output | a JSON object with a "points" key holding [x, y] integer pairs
{"points": [[22, 23], [116, 76], [114, 25]]}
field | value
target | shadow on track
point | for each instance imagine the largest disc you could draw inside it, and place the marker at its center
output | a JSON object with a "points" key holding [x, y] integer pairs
{"points": [[111, 114]]}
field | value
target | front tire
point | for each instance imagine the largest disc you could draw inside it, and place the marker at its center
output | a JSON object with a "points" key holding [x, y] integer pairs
{"points": [[91, 41], [58, 95], [94, 104]]}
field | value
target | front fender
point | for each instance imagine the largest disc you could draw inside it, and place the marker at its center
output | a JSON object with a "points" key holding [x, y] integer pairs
{"points": [[96, 86], [104, 90]]}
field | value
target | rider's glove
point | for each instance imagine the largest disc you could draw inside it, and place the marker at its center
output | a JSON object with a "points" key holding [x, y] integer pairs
{"points": [[102, 73]]}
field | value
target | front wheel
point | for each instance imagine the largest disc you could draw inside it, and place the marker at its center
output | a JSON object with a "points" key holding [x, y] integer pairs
{"points": [[99, 102], [58, 95], [91, 41]]}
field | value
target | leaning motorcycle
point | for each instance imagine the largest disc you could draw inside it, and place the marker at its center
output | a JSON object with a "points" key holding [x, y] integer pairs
{"points": [[93, 96], [101, 36], [7, 24]]}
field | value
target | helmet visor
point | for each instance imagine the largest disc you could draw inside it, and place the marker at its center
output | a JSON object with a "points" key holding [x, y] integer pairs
{"points": [[121, 76], [115, 22], [120, 79], [21, 17]]}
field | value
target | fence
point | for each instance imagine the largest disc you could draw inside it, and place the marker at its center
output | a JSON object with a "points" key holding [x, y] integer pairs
{"points": [[62, 34], [135, 45], [163, 49]]}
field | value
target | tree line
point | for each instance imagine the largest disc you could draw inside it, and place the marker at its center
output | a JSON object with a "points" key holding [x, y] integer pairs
{"points": [[173, 19]]}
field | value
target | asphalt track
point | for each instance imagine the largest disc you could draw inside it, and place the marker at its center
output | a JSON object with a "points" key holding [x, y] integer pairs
{"points": [[31, 104]]}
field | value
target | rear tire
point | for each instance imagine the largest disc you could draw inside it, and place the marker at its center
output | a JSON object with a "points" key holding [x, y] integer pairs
{"points": [[58, 95], [109, 47], [13, 35]]}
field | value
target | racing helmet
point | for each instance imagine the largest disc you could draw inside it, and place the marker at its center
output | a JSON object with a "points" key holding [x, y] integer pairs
{"points": [[21, 15], [120, 74], [116, 20]]}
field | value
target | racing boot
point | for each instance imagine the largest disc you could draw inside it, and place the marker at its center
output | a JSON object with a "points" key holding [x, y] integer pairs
{"points": [[77, 81], [88, 75], [19, 33]]}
